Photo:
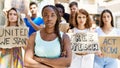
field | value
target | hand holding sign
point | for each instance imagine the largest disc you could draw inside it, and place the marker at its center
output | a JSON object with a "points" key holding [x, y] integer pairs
{"points": [[13, 37], [110, 46], [84, 43]]}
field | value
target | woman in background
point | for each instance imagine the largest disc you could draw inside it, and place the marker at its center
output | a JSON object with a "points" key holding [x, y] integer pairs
{"points": [[83, 24], [106, 29], [12, 57]]}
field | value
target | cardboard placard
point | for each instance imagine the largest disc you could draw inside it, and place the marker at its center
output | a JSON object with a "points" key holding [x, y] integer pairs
{"points": [[64, 27], [21, 5], [110, 46], [84, 42], [63, 1], [13, 36]]}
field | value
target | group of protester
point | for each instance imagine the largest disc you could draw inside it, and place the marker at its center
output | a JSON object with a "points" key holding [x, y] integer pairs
{"points": [[50, 47]]}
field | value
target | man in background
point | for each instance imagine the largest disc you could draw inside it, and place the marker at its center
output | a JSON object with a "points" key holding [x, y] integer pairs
{"points": [[33, 22], [73, 9]]}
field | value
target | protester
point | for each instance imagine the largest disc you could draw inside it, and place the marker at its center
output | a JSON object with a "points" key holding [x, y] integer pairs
{"points": [[34, 22], [83, 24], [12, 57], [48, 47], [64, 26], [61, 10], [106, 29], [73, 8]]}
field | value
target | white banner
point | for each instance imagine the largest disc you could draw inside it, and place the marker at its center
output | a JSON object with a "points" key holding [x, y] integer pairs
{"points": [[84, 42]]}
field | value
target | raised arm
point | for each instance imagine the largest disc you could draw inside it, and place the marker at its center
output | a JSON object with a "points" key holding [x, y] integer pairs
{"points": [[63, 61], [36, 27]]}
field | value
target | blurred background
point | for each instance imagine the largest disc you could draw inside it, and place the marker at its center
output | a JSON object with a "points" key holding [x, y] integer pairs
{"points": [[94, 7]]}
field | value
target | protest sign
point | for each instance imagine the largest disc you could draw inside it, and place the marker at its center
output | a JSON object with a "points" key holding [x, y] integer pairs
{"points": [[13, 36], [21, 5], [84, 42], [110, 46], [64, 1], [64, 27]]}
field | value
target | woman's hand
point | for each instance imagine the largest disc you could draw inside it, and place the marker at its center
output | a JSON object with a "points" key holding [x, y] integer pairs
{"points": [[100, 54], [63, 54], [85, 53]]}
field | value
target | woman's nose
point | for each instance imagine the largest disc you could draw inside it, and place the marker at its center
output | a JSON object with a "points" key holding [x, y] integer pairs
{"points": [[49, 17]]}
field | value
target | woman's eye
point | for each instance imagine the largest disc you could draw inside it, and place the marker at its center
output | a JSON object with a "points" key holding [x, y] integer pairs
{"points": [[10, 13], [45, 15], [53, 15], [84, 17], [79, 17], [15, 14]]}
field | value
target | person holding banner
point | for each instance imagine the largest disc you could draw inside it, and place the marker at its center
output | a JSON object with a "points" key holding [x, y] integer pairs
{"points": [[12, 57], [48, 47], [106, 29], [34, 22], [83, 24]]}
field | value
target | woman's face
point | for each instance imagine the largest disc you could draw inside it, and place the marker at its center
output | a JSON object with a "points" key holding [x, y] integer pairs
{"points": [[49, 17], [12, 16], [81, 19], [106, 18]]}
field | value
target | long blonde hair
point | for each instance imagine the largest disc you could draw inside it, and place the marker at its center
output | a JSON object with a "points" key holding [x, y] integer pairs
{"points": [[19, 19]]}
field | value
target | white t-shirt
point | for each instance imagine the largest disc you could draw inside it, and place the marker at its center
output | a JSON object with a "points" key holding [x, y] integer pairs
{"points": [[84, 61], [114, 32], [76, 30]]}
